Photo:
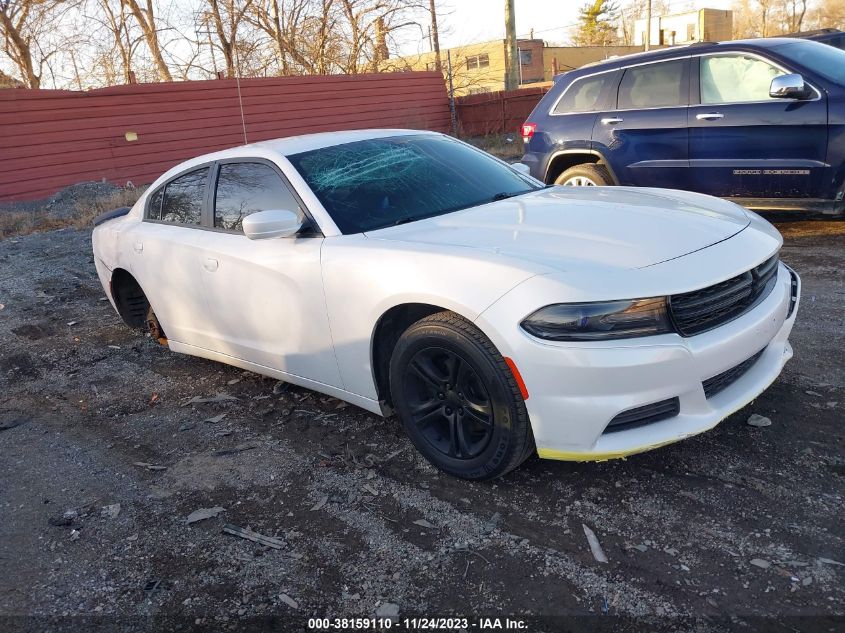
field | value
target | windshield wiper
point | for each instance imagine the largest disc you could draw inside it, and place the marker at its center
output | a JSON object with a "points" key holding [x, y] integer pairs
{"points": [[504, 195]]}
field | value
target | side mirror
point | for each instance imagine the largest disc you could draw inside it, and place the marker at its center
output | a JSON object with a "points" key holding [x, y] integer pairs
{"points": [[522, 168], [788, 87], [266, 225]]}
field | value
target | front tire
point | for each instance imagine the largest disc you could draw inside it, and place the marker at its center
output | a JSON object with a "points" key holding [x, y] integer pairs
{"points": [[458, 400], [586, 175]]}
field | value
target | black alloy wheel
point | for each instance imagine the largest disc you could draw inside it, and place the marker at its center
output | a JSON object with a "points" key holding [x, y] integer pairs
{"points": [[448, 403], [458, 400]]}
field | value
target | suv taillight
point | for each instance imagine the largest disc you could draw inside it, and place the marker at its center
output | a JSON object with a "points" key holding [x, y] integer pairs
{"points": [[528, 130]]}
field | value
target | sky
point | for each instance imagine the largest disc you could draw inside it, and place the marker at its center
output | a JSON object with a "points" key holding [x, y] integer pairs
{"points": [[463, 22]]}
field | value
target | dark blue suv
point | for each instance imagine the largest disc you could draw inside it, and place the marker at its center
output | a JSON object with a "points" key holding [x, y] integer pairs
{"points": [[761, 122]]}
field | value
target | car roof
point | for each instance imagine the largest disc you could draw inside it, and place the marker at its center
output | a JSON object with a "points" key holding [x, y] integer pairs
{"points": [[289, 145], [286, 146], [678, 51]]}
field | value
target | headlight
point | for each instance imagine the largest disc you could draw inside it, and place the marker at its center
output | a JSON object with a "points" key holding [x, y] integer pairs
{"points": [[599, 321]]}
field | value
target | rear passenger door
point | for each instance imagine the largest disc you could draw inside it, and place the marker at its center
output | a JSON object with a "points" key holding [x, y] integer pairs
{"points": [[645, 138], [573, 115], [165, 256], [265, 296]]}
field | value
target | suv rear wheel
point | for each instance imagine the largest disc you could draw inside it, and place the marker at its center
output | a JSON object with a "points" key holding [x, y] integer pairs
{"points": [[585, 175]]}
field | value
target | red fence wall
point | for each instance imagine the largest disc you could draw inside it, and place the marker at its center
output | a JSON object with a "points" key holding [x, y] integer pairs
{"points": [[496, 112], [53, 138]]}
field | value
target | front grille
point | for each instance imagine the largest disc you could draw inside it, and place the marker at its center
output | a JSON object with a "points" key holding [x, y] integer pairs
{"points": [[701, 310], [644, 415], [722, 381]]}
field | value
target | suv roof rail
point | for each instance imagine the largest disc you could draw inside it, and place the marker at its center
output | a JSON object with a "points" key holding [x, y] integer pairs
{"points": [[810, 33]]}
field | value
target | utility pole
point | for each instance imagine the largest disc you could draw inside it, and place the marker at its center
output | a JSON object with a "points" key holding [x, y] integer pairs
{"points": [[435, 39], [648, 27], [511, 53]]}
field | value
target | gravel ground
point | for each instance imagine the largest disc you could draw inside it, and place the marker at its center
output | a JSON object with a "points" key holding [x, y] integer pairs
{"points": [[737, 529]]}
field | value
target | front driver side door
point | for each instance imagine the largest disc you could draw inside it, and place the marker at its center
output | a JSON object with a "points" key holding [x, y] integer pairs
{"points": [[265, 296], [746, 144]]}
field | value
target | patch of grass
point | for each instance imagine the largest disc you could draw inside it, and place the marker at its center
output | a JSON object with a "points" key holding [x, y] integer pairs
{"points": [[86, 208], [89, 207]]}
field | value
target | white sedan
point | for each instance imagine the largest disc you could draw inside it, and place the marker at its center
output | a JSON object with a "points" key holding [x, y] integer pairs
{"points": [[408, 272]]}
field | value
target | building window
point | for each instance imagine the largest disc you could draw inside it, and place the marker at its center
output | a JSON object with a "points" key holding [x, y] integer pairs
{"points": [[690, 32], [478, 90], [478, 61], [525, 57]]}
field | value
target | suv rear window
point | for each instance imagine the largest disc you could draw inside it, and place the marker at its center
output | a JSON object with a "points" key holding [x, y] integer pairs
{"points": [[663, 84], [584, 95]]}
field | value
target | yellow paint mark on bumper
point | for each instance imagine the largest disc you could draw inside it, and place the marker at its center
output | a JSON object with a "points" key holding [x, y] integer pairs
{"points": [[569, 456]]}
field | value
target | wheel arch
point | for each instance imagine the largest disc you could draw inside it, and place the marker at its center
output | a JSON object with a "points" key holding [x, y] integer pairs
{"points": [[562, 160], [129, 298], [389, 327]]}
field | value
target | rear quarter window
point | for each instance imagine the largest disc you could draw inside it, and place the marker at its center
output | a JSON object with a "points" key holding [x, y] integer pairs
{"points": [[587, 94], [154, 205]]}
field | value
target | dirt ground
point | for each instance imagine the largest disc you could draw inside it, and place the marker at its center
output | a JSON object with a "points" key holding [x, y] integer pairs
{"points": [[737, 529]]}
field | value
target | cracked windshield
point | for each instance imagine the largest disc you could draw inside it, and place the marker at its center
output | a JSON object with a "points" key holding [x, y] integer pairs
{"points": [[376, 183]]}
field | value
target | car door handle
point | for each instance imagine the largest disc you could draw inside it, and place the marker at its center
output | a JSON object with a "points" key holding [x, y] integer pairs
{"points": [[138, 246], [210, 264], [709, 116], [612, 120]]}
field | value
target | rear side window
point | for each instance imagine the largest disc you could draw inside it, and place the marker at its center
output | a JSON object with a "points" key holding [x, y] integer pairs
{"points": [[246, 188], [659, 85], [735, 79], [585, 95], [154, 205], [183, 198]]}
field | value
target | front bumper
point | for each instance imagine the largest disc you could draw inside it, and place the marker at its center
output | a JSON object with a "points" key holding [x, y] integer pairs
{"points": [[575, 390]]}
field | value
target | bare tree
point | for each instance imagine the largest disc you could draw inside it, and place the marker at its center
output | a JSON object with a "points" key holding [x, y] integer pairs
{"points": [[28, 40], [435, 36], [114, 17], [226, 16], [766, 18], [145, 17]]}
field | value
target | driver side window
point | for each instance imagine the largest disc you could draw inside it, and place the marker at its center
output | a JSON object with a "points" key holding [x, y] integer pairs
{"points": [[735, 79], [246, 188]]}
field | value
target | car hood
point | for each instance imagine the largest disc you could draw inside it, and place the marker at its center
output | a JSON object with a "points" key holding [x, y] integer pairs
{"points": [[566, 227]]}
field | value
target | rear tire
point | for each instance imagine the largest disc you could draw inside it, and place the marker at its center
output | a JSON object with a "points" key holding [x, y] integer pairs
{"points": [[154, 328], [586, 175], [458, 400]]}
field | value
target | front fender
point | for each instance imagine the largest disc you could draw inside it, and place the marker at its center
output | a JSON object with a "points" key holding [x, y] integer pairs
{"points": [[364, 278]]}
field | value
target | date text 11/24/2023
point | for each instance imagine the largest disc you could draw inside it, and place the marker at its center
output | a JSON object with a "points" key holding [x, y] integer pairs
{"points": [[417, 624]]}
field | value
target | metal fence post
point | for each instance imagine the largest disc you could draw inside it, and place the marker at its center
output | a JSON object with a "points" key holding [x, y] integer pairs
{"points": [[452, 111]]}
